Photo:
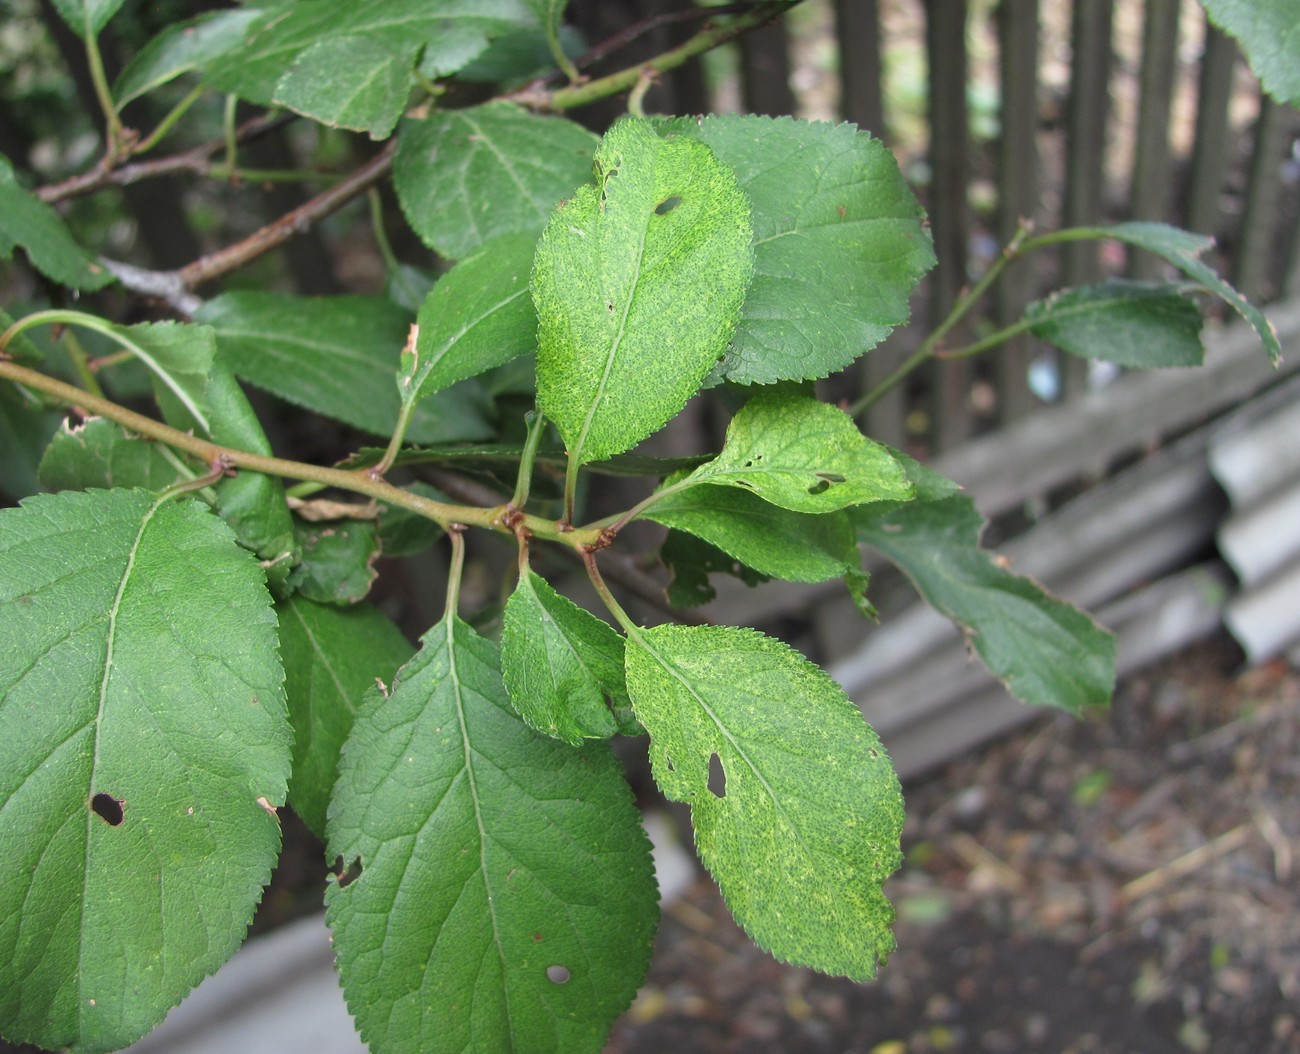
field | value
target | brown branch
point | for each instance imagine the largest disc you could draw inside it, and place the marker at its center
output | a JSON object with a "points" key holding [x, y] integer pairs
{"points": [[299, 220], [197, 160]]}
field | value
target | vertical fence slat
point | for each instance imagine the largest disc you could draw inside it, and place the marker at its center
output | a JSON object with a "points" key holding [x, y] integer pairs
{"points": [[857, 27], [1017, 159], [1087, 114], [1211, 146], [765, 70], [949, 151], [1252, 272], [1150, 194]]}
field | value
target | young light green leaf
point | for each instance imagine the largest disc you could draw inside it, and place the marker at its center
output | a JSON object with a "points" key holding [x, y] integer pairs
{"points": [[477, 317], [638, 284], [804, 827], [331, 658], [449, 33], [1269, 32], [1047, 652], [87, 17], [337, 356], [100, 453], [28, 222], [337, 565], [1183, 249], [839, 243], [804, 455], [502, 876], [559, 663], [778, 543], [180, 48], [1138, 324], [464, 177], [144, 747], [370, 98]]}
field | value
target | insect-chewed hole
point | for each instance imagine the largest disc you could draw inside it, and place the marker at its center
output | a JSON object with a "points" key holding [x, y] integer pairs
{"points": [[668, 204], [558, 974], [346, 876], [717, 777], [108, 808]]}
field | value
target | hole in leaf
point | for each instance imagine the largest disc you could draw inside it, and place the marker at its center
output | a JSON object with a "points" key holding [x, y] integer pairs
{"points": [[717, 777], [348, 875], [668, 764], [108, 808], [667, 205], [558, 974]]}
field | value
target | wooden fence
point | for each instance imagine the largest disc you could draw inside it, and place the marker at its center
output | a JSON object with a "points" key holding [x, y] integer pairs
{"points": [[1063, 114]]}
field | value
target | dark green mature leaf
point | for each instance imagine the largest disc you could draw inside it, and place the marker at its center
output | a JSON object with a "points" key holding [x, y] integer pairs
{"points": [[1183, 249], [691, 560], [87, 17], [1139, 324], [559, 663], [778, 543], [806, 827], [448, 33], [1269, 32], [370, 98], [337, 356], [28, 222], [144, 747], [25, 429], [181, 48], [839, 243], [1044, 650], [100, 453], [467, 176], [804, 455], [501, 875], [478, 316], [337, 565], [331, 657], [638, 284]]}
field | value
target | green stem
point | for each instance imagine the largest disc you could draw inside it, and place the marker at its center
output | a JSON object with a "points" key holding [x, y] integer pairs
{"points": [[377, 230], [358, 481], [984, 343], [455, 572], [710, 37], [602, 590], [611, 525], [168, 122], [1012, 251], [536, 421], [557, 52], [229, 131], [81, 363], [114, 134]]}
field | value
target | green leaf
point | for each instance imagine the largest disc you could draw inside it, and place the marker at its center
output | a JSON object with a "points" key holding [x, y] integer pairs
{"points": [[336, 356], [1183, 249], [87, 17], [690, 561], [803, 455], [27, 221], [331, 658], [180, 357], [370, 98], [1139, 324], [100, 453], [181, 48], [560, 662], [1045, 651], [25, 429], [806, 826], [638, 284], [1269, 33], [449, 32], [464, 177], [778, 543], [839, 243], [144, 746], [477, 317], [337, 565], [502, 876]]}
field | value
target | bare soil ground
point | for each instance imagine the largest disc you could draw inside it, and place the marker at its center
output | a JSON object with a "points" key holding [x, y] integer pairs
{"points": [[1125, 884]]}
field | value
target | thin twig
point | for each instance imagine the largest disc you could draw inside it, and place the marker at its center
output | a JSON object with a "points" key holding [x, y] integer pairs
{"points": [[1188, 863]]}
